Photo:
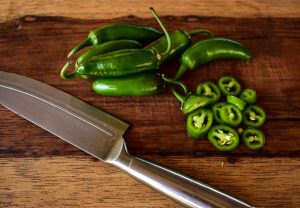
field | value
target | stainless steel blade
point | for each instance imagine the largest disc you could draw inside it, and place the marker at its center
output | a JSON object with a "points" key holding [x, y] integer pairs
{"points": [[65, 116]]}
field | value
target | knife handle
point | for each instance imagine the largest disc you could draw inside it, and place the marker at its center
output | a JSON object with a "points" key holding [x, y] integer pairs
{"points": [[183, 189]]}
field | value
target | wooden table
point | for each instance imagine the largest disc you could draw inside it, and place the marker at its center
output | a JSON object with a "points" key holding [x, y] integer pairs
{"points": [[39, 170]]}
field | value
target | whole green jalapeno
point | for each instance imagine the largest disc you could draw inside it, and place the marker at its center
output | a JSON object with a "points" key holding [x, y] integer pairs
{"points": [[210, 90], [106, 47], [211, 49], [121, 62], [180, 40], [228, 85], [248, 95], [141, 84], [118, 31], [230, 115], [189, 102], [254, 116], [253, 138], [198, 122], [223, 138]]}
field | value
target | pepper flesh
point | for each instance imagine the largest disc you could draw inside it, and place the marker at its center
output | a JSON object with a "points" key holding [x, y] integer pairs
{"points": [[223, 138], [254, 116], [118, 31], [198, 122], [253, 138], [211, 49], [142, 84], [210, 90], [228, 85], [231, 115], [216, 111], [240, 104], [248, 95], [108, 47]]}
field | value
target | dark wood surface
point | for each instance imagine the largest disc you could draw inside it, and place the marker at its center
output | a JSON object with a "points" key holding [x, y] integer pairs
{"points": [[37, 169]]}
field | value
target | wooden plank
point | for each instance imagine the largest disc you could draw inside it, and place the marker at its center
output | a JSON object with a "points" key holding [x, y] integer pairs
{"points": [[95, 9], [80, 182]]}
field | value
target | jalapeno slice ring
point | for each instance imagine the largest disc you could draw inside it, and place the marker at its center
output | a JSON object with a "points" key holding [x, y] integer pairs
{"points": [[210, 90], [223, 138], [253, 138], [198, 122], [231, 115], [228, 85], [254, 116]]}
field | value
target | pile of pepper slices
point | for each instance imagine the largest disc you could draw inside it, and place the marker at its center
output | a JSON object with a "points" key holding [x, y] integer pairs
{"points": [[121, 66]]}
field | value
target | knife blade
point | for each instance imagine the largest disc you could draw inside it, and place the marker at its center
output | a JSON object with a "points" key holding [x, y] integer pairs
{"points": [[101, 135]]}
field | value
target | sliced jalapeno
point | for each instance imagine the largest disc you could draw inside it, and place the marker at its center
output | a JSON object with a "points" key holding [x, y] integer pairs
{"points": [[198, 122], [228, 85], [231, 115], [216, 111], [254, 116], [253, 138], [248, 95], [223, 138], [236, 101], [210, 90]]}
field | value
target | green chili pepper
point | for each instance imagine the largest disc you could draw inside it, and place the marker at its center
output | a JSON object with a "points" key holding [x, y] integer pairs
{"points": [[216, 111], [209, 50], [141, 84], [210, 90], [249, 96], [189, 101], [231, 115], [236, 101], [118, 31], [253, 138], [108, 47], [121, 62], [223, 138], [198, 122], [228, 85], [180, 40], [254, 116]]}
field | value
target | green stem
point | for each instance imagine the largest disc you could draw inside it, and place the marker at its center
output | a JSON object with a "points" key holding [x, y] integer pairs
{"points": [[180, 71], [175, 83], [81, 45], [63, 72], [201, 31], [164, 30]]}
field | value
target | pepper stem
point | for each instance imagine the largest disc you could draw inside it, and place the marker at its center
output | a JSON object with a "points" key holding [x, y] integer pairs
{"points": [[180, 71], [164, 30], [63, 72], [81, 45], [201, 31], [175, 83]]}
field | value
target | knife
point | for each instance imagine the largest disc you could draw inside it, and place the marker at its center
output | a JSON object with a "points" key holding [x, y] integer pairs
{"points": [[101, 135]]}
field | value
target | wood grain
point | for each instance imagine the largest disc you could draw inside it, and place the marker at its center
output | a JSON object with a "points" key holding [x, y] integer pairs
{"points": [[95, 9], [39, 170]]}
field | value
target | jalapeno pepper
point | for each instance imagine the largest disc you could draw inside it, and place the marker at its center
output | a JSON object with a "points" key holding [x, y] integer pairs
{"points": [[119, 63], [107, 47], [189, 101], [118, 31], [198, 122], [180, 40], [236, 101], [228, 85], [253, 138], [249, 96], [254, 116], [223, 138], [231, 115], [210, 90], [209, 50], [141, 84], [216, 111]]}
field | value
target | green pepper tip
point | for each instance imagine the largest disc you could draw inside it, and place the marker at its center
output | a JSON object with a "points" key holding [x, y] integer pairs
{"points": [[63, 72]]}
